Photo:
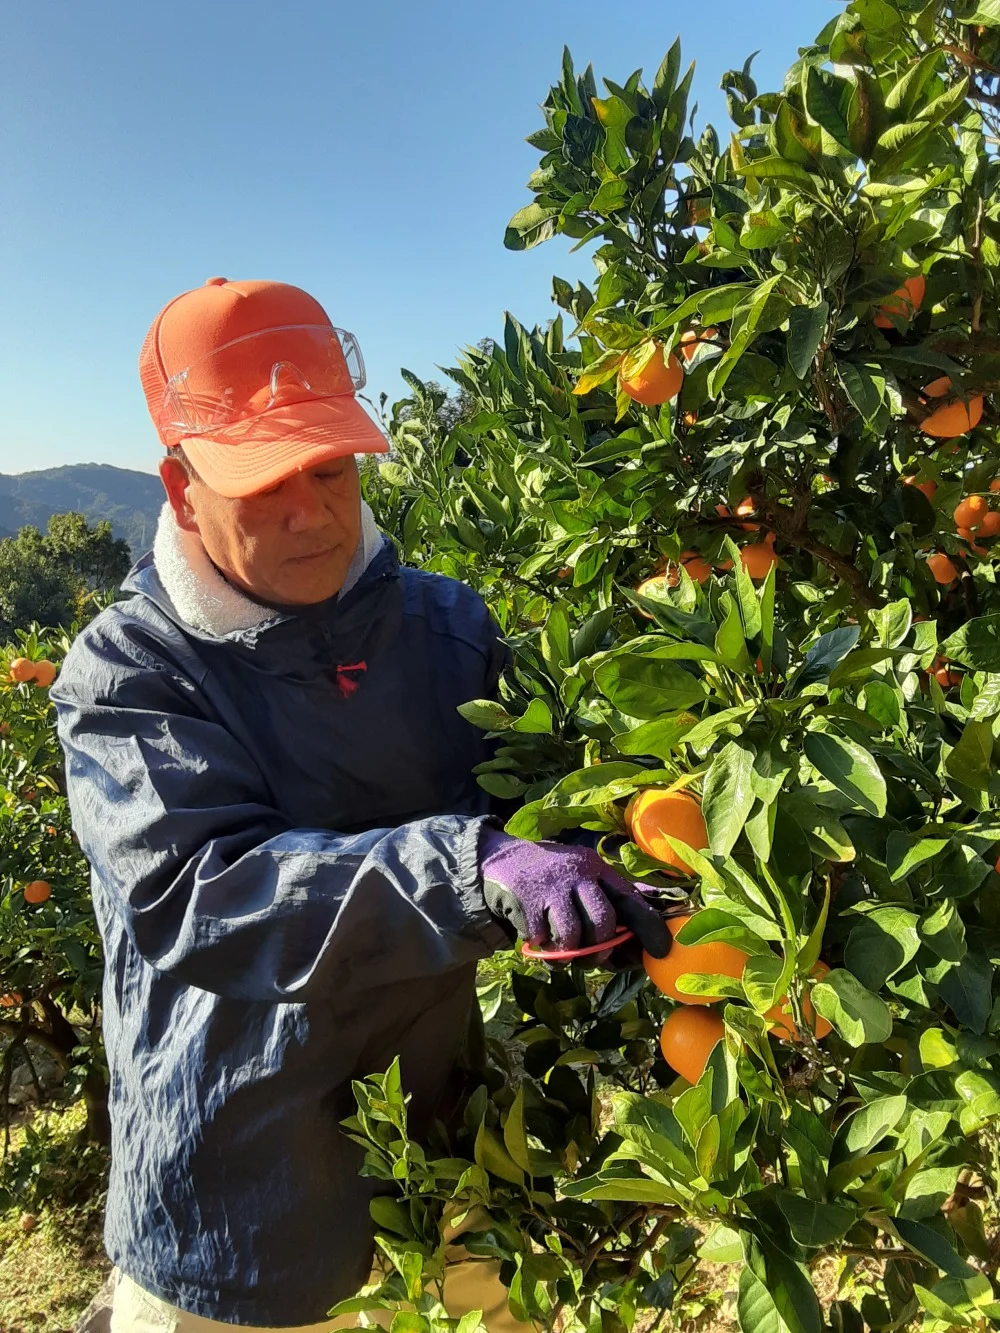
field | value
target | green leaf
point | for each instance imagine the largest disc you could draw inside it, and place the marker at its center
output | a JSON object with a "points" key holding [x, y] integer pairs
{"points": [[755, 1307], [851, 769], [828, 650], [865, 1128], [976, 644], [535, 720], [764, 979], [492, 1155], [931, 1246], [826, 98], [864, 385], [815, 1224], [660, 738], [905, 852], [944, 932], [971, 760], [806, 326], [530, 226], [892, 623], [966, 988], [486, 714], [554, 642], [882, 943], [728, 796], [647, 689], [860, 1016]]}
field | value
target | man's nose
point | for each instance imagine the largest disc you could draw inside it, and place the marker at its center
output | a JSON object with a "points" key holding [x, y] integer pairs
{"points": [[307, 508]]}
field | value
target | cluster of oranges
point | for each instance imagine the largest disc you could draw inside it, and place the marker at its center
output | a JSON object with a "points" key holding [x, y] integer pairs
{"points": [[758, 558], [693, 1029], [973, 519], [23, 671]]}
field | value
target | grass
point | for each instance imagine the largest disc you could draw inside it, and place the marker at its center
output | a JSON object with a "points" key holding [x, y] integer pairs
{"points": [[49, 1274]]}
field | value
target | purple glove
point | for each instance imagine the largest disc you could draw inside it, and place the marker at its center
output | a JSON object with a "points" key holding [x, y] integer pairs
{"points": [[566, 896]]}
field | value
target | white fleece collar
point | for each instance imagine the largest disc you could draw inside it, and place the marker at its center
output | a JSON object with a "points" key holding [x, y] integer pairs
{"points": [[205, 600]]}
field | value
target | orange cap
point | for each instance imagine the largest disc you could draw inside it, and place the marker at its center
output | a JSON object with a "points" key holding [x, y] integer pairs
{"points": [[261, 450]]}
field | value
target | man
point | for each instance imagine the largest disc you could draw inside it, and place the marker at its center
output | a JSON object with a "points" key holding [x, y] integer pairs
{"points": [[294, 871]]}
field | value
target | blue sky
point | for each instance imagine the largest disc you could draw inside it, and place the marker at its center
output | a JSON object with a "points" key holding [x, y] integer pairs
{"points": [[369, 152]]}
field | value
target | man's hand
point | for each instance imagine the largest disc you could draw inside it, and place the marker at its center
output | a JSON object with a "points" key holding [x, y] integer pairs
{"points": [[564, 896]]}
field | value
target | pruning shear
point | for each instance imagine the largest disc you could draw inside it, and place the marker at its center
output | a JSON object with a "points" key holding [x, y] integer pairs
{"points": [[621, 936]]}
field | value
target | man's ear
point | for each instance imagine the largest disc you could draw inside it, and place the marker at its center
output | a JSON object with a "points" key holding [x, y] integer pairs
{"points": [[177, 484]]}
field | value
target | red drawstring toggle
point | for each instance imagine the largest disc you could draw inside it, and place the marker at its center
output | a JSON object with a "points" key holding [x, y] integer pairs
{"points": [[345, 684]]}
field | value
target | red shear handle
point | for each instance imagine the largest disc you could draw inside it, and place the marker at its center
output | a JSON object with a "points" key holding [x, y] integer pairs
{"points": [[565, 955]]}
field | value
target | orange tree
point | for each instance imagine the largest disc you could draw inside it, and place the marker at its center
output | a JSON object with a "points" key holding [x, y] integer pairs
{"points": [[50, 955], [775, 410]]}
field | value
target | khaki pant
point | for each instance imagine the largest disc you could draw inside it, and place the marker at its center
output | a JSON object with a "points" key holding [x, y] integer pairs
{"points": [[472, 1284]]}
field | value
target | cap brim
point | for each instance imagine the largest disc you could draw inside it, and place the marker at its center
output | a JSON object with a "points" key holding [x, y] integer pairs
{"points": [[264, 451]]}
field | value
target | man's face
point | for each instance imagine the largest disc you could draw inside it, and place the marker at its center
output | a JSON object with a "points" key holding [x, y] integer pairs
{"points": [[288, 546]]}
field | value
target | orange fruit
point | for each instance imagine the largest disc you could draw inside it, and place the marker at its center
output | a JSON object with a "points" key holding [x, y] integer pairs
{"points": [[696, 565], [927, 488], [942, 568], [904, 302], [715, 959], [657, 382], [45, 673], [990, 526], [995, 485], [654, 814], [759, 559], [10, 1001], [564, 573], [22, 669], [970, 512], [692, 340], [38, 891], [954, 418], [947, 679], [783, 1025], [687, 1040]]}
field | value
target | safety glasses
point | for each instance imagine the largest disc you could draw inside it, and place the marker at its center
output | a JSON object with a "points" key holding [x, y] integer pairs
{"points": [[252, 375]]}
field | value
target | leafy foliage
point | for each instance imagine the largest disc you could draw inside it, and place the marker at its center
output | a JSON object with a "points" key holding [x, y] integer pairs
{"points": [[47, 578], [837, 713]]}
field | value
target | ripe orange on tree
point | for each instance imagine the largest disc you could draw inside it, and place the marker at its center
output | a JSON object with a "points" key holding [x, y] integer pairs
{"points": [[22, 669], [38, 891], [687, 1040], [942, 568], [696, 565], [11, 1000], [783, 1024], [970, 512], [759, 558], [967, 535], [953, 418], [653, 815], [990, 526], [45, 673], [658, 381], [904, 302], [713, 959], [928, 488]]}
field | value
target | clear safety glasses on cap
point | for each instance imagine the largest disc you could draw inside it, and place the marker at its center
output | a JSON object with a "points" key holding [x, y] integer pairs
{"points": [[251, 375]]}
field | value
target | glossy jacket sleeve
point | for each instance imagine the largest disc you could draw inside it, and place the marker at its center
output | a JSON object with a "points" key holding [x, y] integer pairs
{"points": [[216, 888]]}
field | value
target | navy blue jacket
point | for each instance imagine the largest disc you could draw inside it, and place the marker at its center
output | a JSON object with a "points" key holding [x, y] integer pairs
{"points": [[285, 876]]}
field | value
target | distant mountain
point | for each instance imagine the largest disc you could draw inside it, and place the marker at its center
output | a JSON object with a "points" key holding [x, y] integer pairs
{"points": [[130, 500]]}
